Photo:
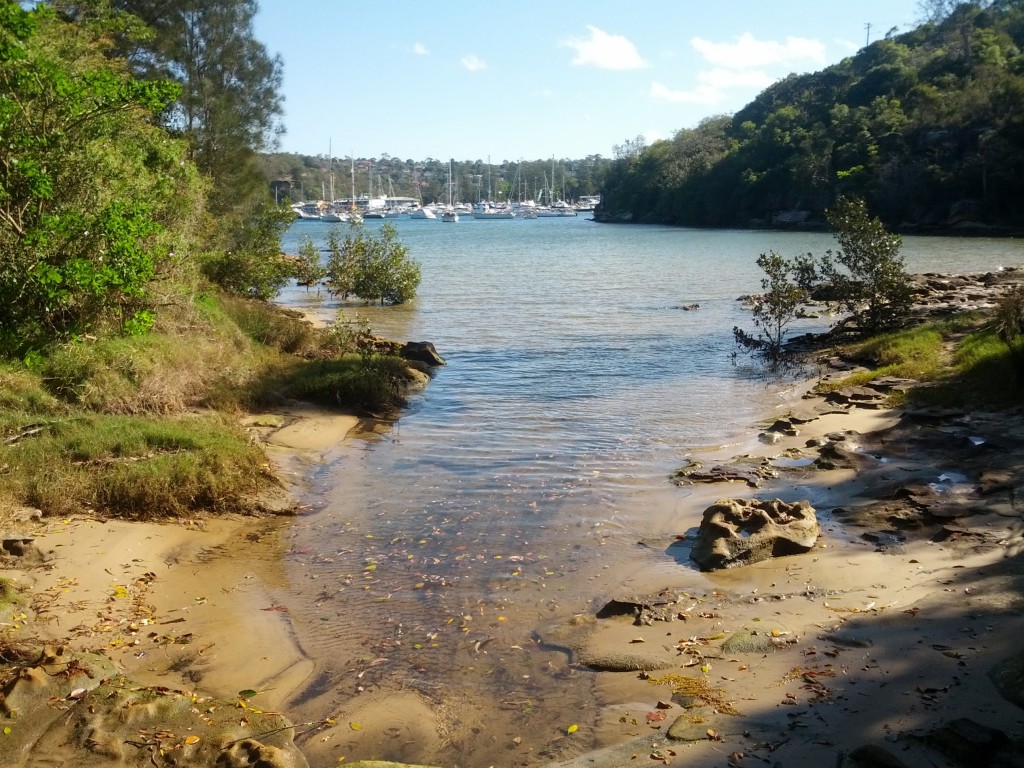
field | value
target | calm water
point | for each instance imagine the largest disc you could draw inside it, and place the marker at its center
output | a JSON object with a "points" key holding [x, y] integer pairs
{"points": [[536, 458]]}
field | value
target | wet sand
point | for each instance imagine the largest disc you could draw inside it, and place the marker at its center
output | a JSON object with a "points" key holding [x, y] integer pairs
{"points": [[869, 644]]}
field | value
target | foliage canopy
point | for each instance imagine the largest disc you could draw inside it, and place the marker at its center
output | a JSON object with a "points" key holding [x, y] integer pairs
{"points": [[91, 191], [925, 126]]}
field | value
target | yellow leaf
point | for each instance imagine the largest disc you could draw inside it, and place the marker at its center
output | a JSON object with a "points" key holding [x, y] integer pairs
{"points": [[572, 728], [7, 730], [355, 726], [120, 591], [190, 740]]}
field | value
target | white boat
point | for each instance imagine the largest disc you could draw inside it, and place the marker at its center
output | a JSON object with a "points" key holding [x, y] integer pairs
{"points": [[306, 211], [557, 208], [450, 215], [490, 211], [422, 213]]}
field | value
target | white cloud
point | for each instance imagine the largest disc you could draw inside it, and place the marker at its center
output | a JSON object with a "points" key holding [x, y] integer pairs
{"points": [[420, 49], [473, 63], [743, 65], [604, 51], [748, 52], [847, 45], [712, 87]]}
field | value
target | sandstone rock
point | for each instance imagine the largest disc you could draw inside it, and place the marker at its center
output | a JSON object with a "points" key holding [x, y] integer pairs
{"points": [[423, 351], [742, 531]]}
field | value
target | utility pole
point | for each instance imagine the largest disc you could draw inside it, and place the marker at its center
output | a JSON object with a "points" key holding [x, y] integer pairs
{"points": [[867, 41]]}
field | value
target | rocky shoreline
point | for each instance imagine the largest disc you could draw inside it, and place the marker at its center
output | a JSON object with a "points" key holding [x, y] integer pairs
{"points": [[892, 642]]}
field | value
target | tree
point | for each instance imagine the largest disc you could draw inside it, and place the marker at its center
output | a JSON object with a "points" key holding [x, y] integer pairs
{"points": [[374, 268], [873, 282], [252, 265], [309, 270], [95, 200], [230, 105], [785, 288], [341, 264]]}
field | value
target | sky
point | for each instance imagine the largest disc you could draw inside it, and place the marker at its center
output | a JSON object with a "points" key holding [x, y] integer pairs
{"points": [[532, 79]]}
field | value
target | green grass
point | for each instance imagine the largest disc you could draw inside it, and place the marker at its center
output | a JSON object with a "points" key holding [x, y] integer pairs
{"points": [[962, 361], [147, 427], [131, 466]]}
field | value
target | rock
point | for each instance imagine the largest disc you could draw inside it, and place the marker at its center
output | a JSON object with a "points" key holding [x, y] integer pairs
{"points": [[843, 454], [737, 532], [622, 661], [858, 397], [970, 743], [751, 470], [20, 548], [1008, 678], [994, 481], [871, 756], [643, 610], [756, 641], [422, 351]]}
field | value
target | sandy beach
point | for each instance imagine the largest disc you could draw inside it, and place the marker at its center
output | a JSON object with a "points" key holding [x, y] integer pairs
{"points": [[893, 642]]}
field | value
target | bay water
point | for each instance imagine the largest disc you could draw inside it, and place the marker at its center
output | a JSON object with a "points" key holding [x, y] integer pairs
{"points": [[585, 362]]}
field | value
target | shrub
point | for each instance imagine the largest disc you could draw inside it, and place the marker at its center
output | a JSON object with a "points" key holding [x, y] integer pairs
{"points": [[872, 283], [374, 268], [784, 289]]}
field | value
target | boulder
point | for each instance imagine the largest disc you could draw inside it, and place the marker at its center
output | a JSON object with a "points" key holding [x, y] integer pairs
{"points": [[422, 351], [738, 532]]}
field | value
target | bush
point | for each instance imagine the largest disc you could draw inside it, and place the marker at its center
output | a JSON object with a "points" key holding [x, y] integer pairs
{"points": [[373, 268], [873, 283], [785, 288], [251, 263]]}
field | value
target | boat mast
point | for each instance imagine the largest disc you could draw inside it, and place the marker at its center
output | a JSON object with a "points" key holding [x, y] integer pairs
{"points": [[330, 169]]}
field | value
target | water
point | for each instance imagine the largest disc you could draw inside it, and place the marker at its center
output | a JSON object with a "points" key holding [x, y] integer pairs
{"points": [[511, 494]]}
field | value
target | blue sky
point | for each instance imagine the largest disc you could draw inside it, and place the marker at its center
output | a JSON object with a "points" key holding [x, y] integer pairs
{"points": [[528, 79]]}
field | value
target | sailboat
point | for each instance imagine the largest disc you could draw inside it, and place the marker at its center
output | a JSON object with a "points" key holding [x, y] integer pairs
{"points": [[332, 213], [354, 214], [487, 209], [450, 215]]}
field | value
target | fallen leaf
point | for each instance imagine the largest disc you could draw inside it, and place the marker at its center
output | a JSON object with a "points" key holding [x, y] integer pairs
{"points": [[190, 740], [572, 728], [355, 726]]}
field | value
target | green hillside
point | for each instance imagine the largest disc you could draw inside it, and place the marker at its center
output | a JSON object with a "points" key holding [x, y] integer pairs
{"points": [[927, 127]]}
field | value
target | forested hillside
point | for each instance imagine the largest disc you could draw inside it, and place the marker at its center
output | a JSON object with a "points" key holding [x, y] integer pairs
{"points": [[926, 126]]}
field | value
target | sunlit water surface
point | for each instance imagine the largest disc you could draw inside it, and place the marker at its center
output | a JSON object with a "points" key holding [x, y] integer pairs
{"points": [[576, 382]]}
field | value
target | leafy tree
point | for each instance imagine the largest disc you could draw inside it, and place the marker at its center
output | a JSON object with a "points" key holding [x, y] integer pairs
{"points": [[872, 283], [309, 269], [252, 265], [374, 268], [230, 105], [341, 264], [94, 199], [785, 288]]}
